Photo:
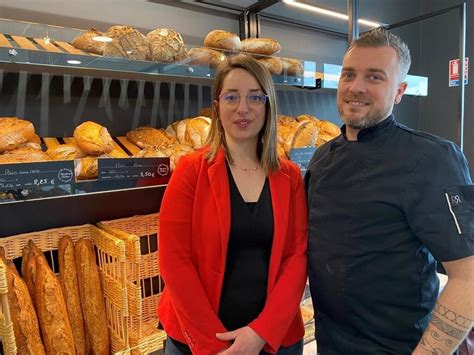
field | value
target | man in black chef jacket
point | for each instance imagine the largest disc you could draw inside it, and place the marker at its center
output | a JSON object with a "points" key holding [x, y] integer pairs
{"points": [[385, 204]]}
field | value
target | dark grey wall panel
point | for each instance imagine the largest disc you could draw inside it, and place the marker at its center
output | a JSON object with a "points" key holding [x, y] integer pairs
{"points": [[440, 110]]}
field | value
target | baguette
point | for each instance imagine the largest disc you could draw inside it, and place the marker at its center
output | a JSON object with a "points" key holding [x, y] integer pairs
{"points": [[92, 300], [52, 313], [70, 288], [23, 315]]}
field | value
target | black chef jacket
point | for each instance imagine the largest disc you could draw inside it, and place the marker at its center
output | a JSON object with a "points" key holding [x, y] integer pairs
{"points": [[382, 209]]}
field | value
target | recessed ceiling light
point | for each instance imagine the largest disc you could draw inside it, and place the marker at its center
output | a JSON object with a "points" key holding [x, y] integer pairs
{"points": [[74, 62], [102, 39]]}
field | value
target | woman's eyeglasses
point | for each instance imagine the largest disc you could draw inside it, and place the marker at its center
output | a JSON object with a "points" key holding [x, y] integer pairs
{"points": [[232, 99]]}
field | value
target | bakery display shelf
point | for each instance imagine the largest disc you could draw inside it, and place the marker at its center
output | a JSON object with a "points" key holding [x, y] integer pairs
{"points": [[40, 48], [123, 148]]}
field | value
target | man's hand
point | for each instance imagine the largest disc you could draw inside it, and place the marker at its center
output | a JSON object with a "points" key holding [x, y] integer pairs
{"points": [[245, 341]]}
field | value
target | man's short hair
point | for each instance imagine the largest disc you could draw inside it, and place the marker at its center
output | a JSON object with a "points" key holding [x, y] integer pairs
{"points": [[380, 37]]}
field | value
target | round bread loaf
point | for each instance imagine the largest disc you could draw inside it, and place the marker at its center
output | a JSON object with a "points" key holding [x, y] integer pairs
{"points": [[274, 65], [127, 42], [292, 67], [264, 46], [206, 57], [166, 45], [14, 132], [93, 138], [86, 42], [223, 40]]}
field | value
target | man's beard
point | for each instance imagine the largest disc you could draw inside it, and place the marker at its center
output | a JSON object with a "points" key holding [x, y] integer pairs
{"points": [[370, 120]]}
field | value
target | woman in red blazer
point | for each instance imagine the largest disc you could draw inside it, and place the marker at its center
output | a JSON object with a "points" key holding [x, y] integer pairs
{"points": [[233, 230]]}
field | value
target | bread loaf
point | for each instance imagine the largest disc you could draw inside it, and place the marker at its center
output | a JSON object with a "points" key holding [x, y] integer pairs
{"points": [[166, 45], [292, 67], [264, 46], [197, 130], [127, 42], [222, 40], [149, 137], [150, 153], [92, 300], [70, 288], [86, 42], [87, 168], [305, 135], [274, 65], [23, 315], [66, 152], [23, 155], [52, 313], [93, 138], [13, 132], [206, 57]]}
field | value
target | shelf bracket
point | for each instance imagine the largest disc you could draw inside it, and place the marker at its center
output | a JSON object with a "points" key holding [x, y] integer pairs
{"points": [[249, 18]]}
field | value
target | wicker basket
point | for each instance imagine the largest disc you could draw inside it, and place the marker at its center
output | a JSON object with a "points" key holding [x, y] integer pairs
{"points": [[145, 286], [111, 257]]}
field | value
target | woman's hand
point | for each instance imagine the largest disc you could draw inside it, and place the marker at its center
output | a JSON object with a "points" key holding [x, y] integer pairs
{"points": [[245, 341]]}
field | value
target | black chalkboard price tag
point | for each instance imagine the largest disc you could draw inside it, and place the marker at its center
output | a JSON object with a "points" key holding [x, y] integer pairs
{"points": [[36, 175], [134, 169], [302, 157]]}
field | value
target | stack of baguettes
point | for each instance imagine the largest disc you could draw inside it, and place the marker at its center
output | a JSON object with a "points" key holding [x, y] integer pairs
{"points": [[58, 316]]}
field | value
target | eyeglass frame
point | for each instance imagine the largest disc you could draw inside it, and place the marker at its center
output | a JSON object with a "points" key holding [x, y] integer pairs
{"points": [[246, 98]]}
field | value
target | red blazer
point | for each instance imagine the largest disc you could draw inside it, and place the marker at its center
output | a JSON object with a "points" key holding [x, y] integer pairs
{"points": [[194, 232]]}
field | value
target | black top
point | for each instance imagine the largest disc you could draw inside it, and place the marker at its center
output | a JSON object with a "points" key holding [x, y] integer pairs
{"points": [[244, 290], [378, 219]]}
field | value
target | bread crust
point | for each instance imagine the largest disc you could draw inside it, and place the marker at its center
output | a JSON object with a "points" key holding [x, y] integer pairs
{"points": [[166, 45], [92, 300], [292, 67], [70, 288], [222, 40], [23, 315], [86, 43], [93, 138], [127, 42], [66, 152], [206, 57], [52, 313], [23, 155], [264, 46], [274, 65], [14, 132]]}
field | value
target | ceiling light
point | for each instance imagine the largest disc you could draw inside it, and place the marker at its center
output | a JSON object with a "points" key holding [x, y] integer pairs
{"points": [[74, 62], [102, 39], [322, 11]]}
